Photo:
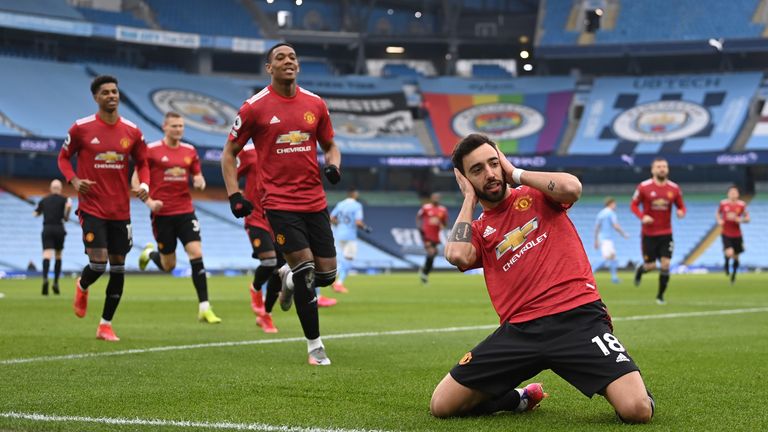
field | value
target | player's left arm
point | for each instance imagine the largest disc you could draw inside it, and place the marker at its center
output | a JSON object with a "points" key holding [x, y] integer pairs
{"points": [[745, 216], [560, 187], [617, 227], [139, 156], [680, 205], [198, 181]]}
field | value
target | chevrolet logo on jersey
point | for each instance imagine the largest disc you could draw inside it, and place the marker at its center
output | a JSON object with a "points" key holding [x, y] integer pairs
{"points": [[293, 138], [110, 157], [659, 204], [516, 238]]}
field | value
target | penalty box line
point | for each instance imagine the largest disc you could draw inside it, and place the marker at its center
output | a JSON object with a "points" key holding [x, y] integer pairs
{"points": [[349, 336]]}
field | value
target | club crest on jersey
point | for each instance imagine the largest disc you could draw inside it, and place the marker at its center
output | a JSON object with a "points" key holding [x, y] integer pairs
{"points": [[89, 237], [280, 239], [187, 160], [466, 359], [125, 143], [256, 242], [670, 194], [293, 138], [516, 238], [523, 203], [310, 118]]}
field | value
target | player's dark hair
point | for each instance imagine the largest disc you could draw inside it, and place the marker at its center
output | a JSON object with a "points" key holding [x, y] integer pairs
{"points": [[733, 186], [658, 159], [609, 201], [101, 80], [467, 146], [271, 50], [172, 114]]}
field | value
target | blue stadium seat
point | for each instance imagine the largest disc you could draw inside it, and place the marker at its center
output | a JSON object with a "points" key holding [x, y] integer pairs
{"points": [[113, 18], [63, 84], [492, 71], [53, 8], [400, 70], [219, 18]]}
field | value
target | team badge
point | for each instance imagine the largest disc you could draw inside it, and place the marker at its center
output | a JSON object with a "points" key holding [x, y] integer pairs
{"points": [[89, 237], [187, 160], [670, 194], [309, 117], [523, 203], [256, 242], [466, 359], [280, 239], [125, 142]]}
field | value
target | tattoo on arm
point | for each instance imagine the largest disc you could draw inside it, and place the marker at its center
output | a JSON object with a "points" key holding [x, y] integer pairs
{"points": [[462, 232], [551, 186]]}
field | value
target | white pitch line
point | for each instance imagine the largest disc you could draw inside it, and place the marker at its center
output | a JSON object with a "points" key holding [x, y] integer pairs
{"points": [[178, 423], [350, 335]]}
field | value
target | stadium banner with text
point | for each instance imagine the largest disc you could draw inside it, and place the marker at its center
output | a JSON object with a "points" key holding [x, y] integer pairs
{"points": [[759, 139], [665, 114], [45, 24], [51, 146], [369, 115], [523, 116]]}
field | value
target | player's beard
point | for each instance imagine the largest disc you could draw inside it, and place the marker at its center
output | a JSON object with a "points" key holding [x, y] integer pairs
{"points": [[660, 178], [494, 197]]}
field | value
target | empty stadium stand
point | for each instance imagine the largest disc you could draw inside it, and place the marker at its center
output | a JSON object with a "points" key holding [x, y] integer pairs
{"points": [[61, 94], [653, 21], [109, 17], [52, 8], [223, 17]]}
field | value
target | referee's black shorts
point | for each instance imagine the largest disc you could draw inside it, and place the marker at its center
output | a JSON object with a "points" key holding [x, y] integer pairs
{"points": [[53, 236], [578, 345]]}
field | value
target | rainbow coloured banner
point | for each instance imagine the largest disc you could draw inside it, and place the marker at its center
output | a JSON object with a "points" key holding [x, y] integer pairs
{"points": [[530, 123]]}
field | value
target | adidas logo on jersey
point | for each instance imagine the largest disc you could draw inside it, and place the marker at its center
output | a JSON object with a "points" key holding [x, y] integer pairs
{"points": [[488, 231], [274, 120], [95, 140], [621, 358], [164, 159]]}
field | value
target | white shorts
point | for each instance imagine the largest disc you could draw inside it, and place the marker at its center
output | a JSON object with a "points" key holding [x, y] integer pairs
{"points": [[607, 249], [348, 248]]}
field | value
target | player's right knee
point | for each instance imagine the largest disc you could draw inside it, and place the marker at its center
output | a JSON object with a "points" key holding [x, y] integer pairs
{"points": [[98, 267], [638, 410], [304, 275]]}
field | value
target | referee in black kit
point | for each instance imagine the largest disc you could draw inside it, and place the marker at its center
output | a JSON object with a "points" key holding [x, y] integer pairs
{"points": [[55, 209]]}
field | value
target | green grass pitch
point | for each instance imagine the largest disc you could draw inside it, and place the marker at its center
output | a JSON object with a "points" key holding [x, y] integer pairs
{"points": [[703, 355]]}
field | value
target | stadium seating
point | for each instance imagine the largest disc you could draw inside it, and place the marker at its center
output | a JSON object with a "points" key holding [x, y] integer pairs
{"points": [[480, 70], [63, 96], [113, 18], [399, 70], [315, 68], [220, 18], [53, 8], [653, 21], [312, 15]]}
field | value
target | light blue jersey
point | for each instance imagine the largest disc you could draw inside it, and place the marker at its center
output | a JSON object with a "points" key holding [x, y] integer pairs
{"points": [[347, 212], [605, 220]]}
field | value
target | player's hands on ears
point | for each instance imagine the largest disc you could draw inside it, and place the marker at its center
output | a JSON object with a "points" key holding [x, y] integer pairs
{"points": [[465, 186]]}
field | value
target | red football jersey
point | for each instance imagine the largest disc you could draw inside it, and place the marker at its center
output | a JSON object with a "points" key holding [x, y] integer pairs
{"points": [[657, 202], [102, 153], [731, 212], [248, 166], [532, 257], [169, 170], [285, 132], [433, 219]]}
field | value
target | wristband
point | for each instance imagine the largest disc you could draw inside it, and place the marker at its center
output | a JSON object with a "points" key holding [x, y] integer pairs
{"points": [[516, 173], [145, 187]]}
